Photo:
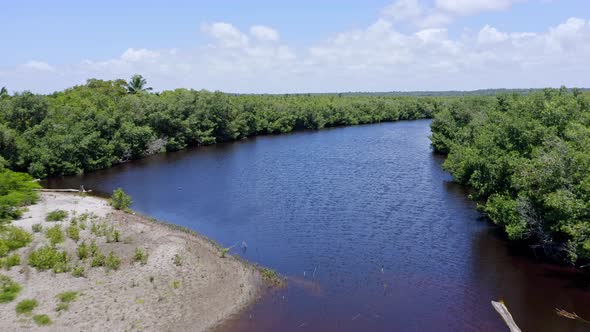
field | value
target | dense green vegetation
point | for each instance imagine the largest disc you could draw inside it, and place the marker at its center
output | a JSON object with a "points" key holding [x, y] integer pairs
{"points": [[101, 123], [16, 191], [528, 161]]}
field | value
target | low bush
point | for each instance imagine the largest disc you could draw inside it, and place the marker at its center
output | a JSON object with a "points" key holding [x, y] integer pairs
{"points": [[140, 256], [47, 257], [83, 251], [79, 272], [55, 235], [56, 215], [120, 200], [37, 228], [12, 238], [98, 259], [10, 261], [73, 232], [112, 262], [42, 320], [9, 289], [26, 306]]}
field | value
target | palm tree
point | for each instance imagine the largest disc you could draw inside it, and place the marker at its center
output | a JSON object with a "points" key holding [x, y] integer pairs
{"points": [[3, 92], [137, 84]]}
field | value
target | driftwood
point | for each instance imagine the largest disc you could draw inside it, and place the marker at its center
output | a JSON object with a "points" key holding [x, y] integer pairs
{"points": [[81, 190], [506, 316], [570, 315]]}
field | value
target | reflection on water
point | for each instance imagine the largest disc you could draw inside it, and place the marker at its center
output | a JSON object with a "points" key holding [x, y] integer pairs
{"points": [[371, 232]]}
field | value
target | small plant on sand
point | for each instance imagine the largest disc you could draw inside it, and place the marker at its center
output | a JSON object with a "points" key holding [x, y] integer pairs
{"points": [[10, 261], [140, 256], [9, 289], [120, 200], [26, 306], [37, 228], [73, 232], [113, 235], [93, 248], [79, 272], [56, 215], [61, 267], [224, 251], [112, 262], [98, 259], [42, 320], [65, 298], [83, 251], [55, 235], [48, 257], [176, 284], [177, 260], [271, 276], [12, 238]]}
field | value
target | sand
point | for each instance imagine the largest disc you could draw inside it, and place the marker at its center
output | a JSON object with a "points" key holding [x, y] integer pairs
{"points": [[200, 293]]}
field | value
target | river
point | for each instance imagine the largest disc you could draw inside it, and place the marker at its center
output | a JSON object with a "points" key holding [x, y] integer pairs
{"points": [[370, 231]]}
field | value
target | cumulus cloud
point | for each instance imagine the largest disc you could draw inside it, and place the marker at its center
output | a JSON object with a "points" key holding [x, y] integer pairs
{"points": [[264, 33], [382, 56], [470, 7]]}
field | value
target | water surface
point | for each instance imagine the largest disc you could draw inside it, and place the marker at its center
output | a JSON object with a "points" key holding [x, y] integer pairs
{"points": [[371, 232]]}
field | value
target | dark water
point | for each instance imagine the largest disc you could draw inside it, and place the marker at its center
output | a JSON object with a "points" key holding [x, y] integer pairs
{"points": [[369, 229]]}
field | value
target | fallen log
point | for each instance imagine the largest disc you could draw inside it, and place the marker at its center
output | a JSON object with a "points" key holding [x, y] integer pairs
{"points": [[506, 316], [81, 190]]}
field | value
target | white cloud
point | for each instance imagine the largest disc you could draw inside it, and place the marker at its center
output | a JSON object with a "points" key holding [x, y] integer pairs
{"points": [[490, 35], [382, 56], [225, 34], [264, 33], [38, 65], [470, 7]]}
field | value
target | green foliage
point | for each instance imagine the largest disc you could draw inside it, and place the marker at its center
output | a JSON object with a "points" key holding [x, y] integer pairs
{"points": [[16, 189], [56, 215], [98, 259], [101, 123], [112, 262], [48, 257], [528, 160], [83, 251], [9, 289], [140, 256], [37, 228], [177, 260], [10, 261], [67, 297], [42, 320], [55, 235], [73, 232], [120, 200], [79, 272], [12, 238], [26, 306]]}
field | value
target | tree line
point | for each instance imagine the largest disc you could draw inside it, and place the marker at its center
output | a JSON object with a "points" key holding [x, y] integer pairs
{"points": [[527, 158], [101, 123]]}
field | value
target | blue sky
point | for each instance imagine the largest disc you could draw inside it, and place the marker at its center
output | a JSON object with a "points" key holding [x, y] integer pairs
{"points": [[297, 46]]}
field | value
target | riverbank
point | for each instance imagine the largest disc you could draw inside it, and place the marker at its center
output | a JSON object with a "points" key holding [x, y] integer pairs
{"points": [[180, 283]]}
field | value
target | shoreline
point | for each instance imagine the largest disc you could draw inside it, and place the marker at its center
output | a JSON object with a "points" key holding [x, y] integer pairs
{"points": [[185, 284]]}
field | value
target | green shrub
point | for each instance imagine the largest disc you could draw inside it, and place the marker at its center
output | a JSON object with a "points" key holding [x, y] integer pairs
{"points": [[16, 190], [9, 289], [26, 306], [56, 215], [140, 256], [177, 260], [47, 257], [37, 228], [42, 320], [55, 235], [113, 235], [62, 307], [120, 200], [82, 251], [10, 261], [79, 272], [61, 267], [98, 259], [73, 232], [67, 296], [12, 238], [93, 248], [112, 262]]}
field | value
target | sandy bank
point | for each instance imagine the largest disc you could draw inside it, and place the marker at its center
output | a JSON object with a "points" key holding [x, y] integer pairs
{"points": [[162, 295]]}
